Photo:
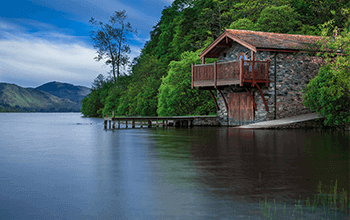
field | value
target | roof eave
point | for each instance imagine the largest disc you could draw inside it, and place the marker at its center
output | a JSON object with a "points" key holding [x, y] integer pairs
{"points": [[221, 37]]}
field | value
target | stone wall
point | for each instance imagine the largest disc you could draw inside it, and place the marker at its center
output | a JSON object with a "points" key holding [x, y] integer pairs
{"points": [[206, 121], [294, 71]]}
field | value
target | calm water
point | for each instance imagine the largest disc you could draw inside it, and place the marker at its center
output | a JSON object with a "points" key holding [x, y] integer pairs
{"points": [[63, 166]]}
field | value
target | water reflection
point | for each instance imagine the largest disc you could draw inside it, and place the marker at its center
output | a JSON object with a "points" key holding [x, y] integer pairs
{"points": [[67, 170], [291, 162]]}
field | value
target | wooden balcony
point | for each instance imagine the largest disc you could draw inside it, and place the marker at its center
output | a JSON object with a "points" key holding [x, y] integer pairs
{"points": [[243, 72]]}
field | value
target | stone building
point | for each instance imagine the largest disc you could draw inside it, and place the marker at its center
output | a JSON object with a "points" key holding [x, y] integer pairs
{"points": [[259, 76]]}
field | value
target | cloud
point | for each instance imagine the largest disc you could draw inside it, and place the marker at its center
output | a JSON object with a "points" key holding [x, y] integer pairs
{"points": [[37, 60]]}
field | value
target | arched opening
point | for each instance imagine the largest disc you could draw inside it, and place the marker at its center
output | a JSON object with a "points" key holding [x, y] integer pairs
{"points": [[242, 56]]}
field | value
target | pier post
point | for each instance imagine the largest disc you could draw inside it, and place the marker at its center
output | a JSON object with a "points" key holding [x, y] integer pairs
{"points": [[149, 123], [105, 124], [126, 123], [141, 123], [157, 123], [166, 123], [118, 122], [113, 119], [133, 123], [110, 123], [163, 124]]}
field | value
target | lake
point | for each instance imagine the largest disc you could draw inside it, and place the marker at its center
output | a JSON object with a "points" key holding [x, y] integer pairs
{"points": [[64, 166]]}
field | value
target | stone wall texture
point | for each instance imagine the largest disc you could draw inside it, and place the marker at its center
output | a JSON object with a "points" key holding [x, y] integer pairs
{"points": [[293, 70], [206, 121]]}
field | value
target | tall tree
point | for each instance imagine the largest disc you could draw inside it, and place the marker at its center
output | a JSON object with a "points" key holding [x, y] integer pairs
{"points": [[111, 42], [329, 92]]}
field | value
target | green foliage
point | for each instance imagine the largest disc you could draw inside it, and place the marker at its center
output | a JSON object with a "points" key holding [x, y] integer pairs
{"points": [[175, 94], [329, 93], [243, 24], [111, 42], [159, 80], [280, 19], [94, 103]]}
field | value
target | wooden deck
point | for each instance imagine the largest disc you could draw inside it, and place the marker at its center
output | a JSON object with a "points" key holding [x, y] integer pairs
{"points": [[243, 72], [175, 121], [281, 122]]}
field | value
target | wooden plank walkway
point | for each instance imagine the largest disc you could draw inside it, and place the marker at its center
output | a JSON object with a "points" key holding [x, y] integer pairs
{"points": [[281, 122], [175, 121]]}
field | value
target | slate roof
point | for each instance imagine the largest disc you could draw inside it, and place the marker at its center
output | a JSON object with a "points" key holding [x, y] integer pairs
{"points": [[274, 40], [255, 40]]}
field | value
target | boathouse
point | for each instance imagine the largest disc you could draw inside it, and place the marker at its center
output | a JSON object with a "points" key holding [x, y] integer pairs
{"points": [[258, 76]]}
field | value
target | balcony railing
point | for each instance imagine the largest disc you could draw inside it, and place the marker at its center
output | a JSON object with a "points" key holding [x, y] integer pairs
{"points": [[230, 73]]}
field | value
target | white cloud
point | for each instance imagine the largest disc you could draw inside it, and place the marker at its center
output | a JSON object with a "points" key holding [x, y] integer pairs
{"points": [[36, 60]]}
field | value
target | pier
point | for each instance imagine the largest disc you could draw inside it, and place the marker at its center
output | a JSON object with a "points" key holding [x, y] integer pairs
{"points": [[174, 121]]}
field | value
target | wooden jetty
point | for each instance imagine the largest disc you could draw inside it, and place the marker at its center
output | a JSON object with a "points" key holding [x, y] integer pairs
{"points": [[175, 121]]}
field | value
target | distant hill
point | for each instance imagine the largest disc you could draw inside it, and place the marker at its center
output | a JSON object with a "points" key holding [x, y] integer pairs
{"points": [[65, 91], [17, 98]]}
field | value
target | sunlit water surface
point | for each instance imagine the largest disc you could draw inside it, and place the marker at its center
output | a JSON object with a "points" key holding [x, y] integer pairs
{"points": [[64, 166]]}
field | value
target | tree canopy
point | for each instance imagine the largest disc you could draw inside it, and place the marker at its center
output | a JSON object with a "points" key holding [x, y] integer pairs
{"points": [[111, 41], [159, 80]]}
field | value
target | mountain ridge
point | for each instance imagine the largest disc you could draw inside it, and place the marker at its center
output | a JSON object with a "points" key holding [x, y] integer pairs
{"points": [[67, 99]]}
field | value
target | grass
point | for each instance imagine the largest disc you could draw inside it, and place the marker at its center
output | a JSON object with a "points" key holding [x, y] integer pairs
{"points": [[331, 203]]}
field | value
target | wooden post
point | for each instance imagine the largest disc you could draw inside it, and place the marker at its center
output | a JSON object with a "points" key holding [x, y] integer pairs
{"points": [[166, 123], [253, 71], [267, 73], [163, 123], [113, 118], [149, 123], [105, 124], [126, 123], [141, 123], [188, 123], [133, 123], [215, 74], [174, 123], [241, 71], [118, 122], [157, 123], [203, 60], [110, 123], [192, 66]]}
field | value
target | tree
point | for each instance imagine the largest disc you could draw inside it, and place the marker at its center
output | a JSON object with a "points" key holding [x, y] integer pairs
{"points": [[329, 92], [175, 94], [280, 19], [111, 41]]}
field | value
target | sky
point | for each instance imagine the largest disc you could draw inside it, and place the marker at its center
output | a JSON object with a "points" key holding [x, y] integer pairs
{"points": [[48, 40]]}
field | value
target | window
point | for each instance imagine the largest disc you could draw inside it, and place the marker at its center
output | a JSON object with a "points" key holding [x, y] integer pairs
{"points": [[242, 55]]}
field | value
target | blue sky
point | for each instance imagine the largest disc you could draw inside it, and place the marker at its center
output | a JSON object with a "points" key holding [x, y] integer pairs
{"points": [[48, 40]]}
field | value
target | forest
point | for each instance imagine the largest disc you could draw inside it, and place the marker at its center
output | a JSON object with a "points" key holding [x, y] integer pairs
{"points": [[159, 80]]}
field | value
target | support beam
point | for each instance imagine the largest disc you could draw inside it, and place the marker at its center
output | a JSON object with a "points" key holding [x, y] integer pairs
{"points": [[253, 67], [216, 103], [215, 74], [262, 95], [241, 67], [192, 75], [133, 123], [223, 97], [252, 97]]}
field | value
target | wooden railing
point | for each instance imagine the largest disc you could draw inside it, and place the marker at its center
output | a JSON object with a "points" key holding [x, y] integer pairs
{"points": [[230, 73]]}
